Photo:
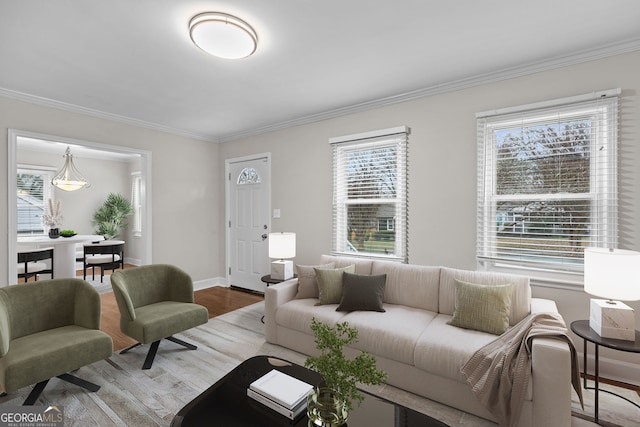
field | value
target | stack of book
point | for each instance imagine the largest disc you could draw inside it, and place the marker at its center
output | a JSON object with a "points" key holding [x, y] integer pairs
{"points": [[281, 392]]}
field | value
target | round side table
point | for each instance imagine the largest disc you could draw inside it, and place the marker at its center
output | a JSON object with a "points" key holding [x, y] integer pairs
{"points": [[584, 331]]}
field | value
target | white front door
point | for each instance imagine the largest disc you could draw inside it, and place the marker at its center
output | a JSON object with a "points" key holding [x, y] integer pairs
{"points": [[248, 221]]}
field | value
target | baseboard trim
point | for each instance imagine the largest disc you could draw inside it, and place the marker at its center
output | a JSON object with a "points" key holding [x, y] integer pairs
{"points": [[612, 369], [210, 283]]}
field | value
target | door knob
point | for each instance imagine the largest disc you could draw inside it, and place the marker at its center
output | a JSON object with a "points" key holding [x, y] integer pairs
{"points": [[264, 236]]}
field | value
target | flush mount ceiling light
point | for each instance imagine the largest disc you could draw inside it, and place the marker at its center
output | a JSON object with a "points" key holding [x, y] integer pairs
{"points": [[223, 35]]}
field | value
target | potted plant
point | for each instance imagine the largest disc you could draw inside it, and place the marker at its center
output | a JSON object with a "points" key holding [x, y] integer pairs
{"points": [[110, 218], [330, 405]]}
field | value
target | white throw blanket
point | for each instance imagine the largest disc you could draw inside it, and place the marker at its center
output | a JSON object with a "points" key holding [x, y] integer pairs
{"points": [[499, 373]]}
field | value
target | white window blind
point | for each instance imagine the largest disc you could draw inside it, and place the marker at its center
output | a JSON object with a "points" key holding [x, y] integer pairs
{"points": [[370, 194], [547, 183], [34, 189]]}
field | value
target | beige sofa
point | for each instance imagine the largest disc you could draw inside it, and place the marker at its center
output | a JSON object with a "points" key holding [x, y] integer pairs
{"points": [[413, 343]]}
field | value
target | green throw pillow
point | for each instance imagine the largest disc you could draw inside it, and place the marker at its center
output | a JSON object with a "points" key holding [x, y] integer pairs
{"points": [[330, 283], [361, 292], [482, 307], [307, 282]]}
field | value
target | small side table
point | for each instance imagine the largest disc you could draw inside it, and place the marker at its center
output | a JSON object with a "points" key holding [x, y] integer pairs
{"points": [[584, 331], [271, 281]]}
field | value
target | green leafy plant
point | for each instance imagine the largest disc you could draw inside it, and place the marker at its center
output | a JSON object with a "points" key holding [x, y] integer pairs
{"points": [[110, 218], [64, 233], [340, 373]]}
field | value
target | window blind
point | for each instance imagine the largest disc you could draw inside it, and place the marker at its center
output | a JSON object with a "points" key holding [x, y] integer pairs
{"points": [[370, 194], [547, 183], [33, 192]]}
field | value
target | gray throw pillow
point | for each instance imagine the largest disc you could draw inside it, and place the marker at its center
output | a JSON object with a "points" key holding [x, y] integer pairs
{"points": [[307, 281], [330, 283], [482, 307], [362, 292]]}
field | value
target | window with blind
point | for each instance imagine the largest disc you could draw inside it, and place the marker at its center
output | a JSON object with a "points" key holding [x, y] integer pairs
{"points": [[547, 183], [34, 190], [370, 194]]}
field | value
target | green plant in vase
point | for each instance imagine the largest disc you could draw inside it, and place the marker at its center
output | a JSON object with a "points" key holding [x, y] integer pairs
{"points": [[110, 218], [341, 375]]}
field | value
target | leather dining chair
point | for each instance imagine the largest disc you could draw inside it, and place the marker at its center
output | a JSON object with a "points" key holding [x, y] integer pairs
{"points": [[30, 263], [107, 255]]}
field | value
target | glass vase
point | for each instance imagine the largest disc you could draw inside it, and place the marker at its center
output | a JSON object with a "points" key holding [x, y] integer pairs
{"points": [[325, 408]]}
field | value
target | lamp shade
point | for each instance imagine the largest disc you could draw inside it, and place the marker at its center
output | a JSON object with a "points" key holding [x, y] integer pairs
{"points": [[612, 273], [69, 178], [282, 245]]}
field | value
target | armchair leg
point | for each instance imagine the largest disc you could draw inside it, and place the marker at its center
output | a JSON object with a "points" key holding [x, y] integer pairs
{"points": [[182, 343], [151, 355], [79, 382], [38, 388], [35, 393], [148, 361], [130, 348]]}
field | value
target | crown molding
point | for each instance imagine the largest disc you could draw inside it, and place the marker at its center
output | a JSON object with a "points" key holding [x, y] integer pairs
{"points": [[579, 57], [52, 103], [451, 86]]}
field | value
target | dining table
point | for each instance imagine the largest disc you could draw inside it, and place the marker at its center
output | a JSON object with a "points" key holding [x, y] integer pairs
{"points": [[64, 250]]}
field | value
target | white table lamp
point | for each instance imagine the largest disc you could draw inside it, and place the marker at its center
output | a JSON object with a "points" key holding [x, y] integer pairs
{"points": [[281, 246], [613, 274]]}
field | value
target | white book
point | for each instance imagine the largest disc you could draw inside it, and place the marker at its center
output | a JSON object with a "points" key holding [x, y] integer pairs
{"points": [[282, 388], [289, 413]]}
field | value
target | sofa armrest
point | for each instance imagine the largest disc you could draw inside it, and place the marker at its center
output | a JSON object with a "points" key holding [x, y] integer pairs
{"points": [[551, 374], [551, 377], [275, 296], [541, 305]]}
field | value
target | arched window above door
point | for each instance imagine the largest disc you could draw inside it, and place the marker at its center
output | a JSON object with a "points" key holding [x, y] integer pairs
{"points": [[249, 176]]}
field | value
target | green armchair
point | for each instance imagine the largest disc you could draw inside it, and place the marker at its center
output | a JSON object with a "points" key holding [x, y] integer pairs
{"points": [[155, 302], [48, 329]]}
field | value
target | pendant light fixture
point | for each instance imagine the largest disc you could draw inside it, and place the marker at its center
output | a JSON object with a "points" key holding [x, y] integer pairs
{"points": [[223, 35], [68, 178]]}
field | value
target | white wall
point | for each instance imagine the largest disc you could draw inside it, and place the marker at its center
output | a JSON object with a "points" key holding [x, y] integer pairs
{"points": [[185, 190], [442, 171]]}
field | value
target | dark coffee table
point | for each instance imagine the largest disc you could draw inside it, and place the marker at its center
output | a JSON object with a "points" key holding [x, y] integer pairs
{"points": [[226, 402]]}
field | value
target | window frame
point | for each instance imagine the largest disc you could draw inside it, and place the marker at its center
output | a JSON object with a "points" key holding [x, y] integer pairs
{"points": [[342, 146], [47, 192], [602, 107]]}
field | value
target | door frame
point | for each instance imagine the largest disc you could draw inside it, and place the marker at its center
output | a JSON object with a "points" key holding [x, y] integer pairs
{"points": [[145, 190], [227, 201]]}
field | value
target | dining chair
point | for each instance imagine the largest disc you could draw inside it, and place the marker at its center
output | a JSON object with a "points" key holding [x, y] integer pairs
{"points": [[30, 263], [107, 255]]}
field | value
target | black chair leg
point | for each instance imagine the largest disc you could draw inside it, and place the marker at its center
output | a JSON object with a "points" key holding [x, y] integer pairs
{"points": [[79, 382], [130, 348], [183, 343], [151, 355], [35, 393]]}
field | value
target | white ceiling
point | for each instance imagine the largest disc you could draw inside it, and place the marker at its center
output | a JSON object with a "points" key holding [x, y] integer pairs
{"points": [[133, 60]]}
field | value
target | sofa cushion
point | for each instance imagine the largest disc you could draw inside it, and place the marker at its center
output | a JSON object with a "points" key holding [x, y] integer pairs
{"points": [[363, 265], [307, 281], [443, 349], [482, 307], [411, 285], [362, 292], [330, 283], [297, 315], [520, 290], [393, 334]]}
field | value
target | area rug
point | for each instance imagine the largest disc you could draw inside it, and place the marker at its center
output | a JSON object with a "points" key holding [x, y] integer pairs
{"points": [[102, 287], [132, 397]]}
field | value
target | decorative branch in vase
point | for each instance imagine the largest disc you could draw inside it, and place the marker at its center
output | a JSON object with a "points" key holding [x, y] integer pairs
{"points": [[341, 375], [53, 219]]}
